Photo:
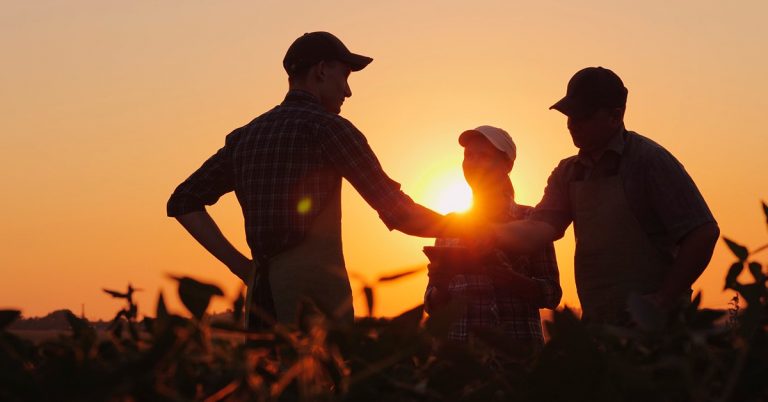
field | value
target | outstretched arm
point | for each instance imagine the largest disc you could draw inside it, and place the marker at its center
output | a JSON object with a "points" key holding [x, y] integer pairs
{"points": [[422, 222], [204, 229], [524, 236]]}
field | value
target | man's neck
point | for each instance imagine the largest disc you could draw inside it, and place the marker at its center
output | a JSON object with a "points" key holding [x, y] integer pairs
{"points": [[612, 143], [305, 88]]}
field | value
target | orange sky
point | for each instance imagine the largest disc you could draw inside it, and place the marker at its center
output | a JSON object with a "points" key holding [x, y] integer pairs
{"points": [[107, 106]]}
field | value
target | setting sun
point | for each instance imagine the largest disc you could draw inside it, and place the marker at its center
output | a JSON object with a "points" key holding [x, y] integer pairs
{"points": [[448, 193]]}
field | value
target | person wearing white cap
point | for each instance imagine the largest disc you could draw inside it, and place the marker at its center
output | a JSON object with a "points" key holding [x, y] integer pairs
{"points": [[503, 291]]}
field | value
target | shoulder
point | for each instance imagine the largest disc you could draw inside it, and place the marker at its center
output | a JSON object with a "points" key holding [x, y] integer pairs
{"points": [[337, 123], [564, 171], [644, 149], [649, 159], [567, 162], [565, 166]]}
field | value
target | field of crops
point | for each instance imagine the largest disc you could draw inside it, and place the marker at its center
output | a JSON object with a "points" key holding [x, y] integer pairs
{"points": [[691, 354]]}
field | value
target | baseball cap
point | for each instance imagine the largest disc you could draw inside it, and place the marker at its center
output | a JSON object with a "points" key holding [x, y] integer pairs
{"points": [[496, 136], [314, 47], [589, 90]]}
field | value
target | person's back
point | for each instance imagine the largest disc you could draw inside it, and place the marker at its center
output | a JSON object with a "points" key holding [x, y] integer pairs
{"points": [[283, 171]]}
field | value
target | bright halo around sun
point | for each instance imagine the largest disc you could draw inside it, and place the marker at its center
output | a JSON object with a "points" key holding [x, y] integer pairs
{"points": [[448, 193]]}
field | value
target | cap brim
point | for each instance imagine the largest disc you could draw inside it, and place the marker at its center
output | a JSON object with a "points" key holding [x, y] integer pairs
{"points": [[466, 135], [357, 62], [571, 107]]}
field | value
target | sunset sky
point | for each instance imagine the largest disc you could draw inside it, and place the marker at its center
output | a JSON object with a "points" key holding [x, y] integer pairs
{"points": [[107, 106]]}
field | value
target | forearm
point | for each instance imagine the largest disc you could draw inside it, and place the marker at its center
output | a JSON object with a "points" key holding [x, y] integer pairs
{"points": [[203, 228], [523, 237], [693, 256], [423, 222]]}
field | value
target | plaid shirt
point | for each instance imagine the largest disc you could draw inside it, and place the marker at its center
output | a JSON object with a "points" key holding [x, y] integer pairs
{"points": [[492, 305], [283, 166]]}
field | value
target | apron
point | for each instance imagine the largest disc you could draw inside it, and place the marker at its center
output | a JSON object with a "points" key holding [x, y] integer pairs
{"points": [[314, 270], [614, 256]]}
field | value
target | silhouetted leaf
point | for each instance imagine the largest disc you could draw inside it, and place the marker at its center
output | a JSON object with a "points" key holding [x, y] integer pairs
{"points": [[195, 295], [409, 319], [149, 324], [7, 317], [238, 307], [738, 250], [692, 308], [133, 331], [81, 330], [645, 313], [705, 318], [117, 329], [751, 293], [368, 291], [733, 273], [162, 311], [310, 314], [757, 271], [115, 294], [400, 274], [696, 300], [765, 211]]}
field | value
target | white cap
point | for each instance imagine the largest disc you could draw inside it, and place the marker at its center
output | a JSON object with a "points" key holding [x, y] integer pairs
{"points": [[496, 136]]}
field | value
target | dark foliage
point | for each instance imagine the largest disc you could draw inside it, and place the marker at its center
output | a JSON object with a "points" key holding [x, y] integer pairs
{"points": [[690, 354]]}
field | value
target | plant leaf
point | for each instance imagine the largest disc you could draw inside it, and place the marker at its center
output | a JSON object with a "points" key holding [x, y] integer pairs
{"points": [[81, 330], [738, 250], [368, 291], [733, 273], [115, 294], [757, 271], [238, 307], [7, 317], [196, 295], [765, 211], [400, 274], [696, 300], [161, 312], [409, 319], [705, 318]]}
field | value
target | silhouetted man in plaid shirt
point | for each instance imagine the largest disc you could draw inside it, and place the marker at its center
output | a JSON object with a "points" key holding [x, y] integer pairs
{"points": [[285, 168]]}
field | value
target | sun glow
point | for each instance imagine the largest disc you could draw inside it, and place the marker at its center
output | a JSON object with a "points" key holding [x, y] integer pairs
{"points": [[448, 193]]}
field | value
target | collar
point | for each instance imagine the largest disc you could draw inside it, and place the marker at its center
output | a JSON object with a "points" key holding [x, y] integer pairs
{"points": [[616, 145], [299, 95]]}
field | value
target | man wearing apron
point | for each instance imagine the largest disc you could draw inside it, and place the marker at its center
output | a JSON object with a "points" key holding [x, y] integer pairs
{"points": [[641, 225], [286, 168]]}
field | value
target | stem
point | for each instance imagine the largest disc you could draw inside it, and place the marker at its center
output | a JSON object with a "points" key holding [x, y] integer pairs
{"points": [[759, 249]]}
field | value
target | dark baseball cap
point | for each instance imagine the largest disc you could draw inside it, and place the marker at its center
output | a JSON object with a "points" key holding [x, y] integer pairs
{"points": [[591, 89], [314, 47]]}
